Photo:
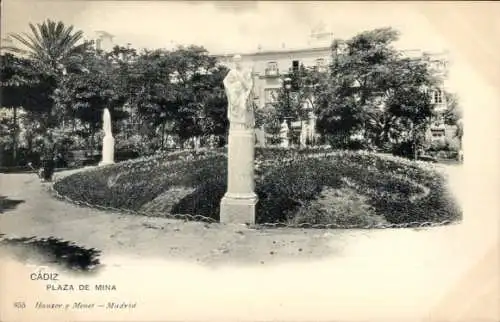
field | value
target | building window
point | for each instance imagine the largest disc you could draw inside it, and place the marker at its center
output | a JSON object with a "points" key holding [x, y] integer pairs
{"points": [[439, 65], [438, 133], [270, 95], [437, 96], [98, 44], [272, 69], [321, 64], [272, 65]]}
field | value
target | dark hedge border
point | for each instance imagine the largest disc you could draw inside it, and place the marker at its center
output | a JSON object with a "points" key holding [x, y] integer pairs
{"points": [[286, 181]]}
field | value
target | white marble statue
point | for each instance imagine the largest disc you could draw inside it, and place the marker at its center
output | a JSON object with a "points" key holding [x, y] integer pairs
{"points": [[284, 135], [238, 85]]}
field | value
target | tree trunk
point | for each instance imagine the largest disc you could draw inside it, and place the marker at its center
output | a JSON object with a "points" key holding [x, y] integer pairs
{"points": [[92, 138], [163, 134], [414, 141], [14, 137]]}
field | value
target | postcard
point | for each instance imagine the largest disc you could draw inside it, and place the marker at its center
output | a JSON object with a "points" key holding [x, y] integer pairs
{"points": [[249, 161]]}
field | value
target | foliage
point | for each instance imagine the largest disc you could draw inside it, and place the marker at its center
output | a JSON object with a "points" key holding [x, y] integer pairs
{"points": [[51, 46], [180, 91], [453, 111], [370, 97], [342, 207], [83, 95], [40, 59], [288, 184], [373, 91], [292, 103], [269, 118]]}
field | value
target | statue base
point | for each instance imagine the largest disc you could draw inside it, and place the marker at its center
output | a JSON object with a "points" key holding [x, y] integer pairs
{"points": [[238, 209], [106, 163], [108, 148], [238, 204]]}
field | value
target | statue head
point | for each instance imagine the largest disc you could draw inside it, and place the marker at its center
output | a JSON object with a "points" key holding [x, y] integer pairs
{"points": [[237, 61]]}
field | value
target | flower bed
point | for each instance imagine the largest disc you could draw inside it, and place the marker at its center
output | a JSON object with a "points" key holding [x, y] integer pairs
{"points": [[293, 186]]}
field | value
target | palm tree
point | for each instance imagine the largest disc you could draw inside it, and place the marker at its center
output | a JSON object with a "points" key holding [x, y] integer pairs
{"points": [[52, 46]]}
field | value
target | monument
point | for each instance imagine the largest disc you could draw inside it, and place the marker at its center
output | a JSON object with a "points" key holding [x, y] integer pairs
{"points": [[108, 142], [238, 204]]}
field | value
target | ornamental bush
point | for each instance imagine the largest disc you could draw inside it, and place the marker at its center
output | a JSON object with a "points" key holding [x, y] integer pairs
{"points": [[310, 186]]}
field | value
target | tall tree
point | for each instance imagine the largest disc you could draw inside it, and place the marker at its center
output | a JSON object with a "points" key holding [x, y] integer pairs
{"points": [[53, 50], [22, 86], [180, 90], [373, 90], [85, 94], [291, 103], [196, 74], [51, 45], [151, 92]]}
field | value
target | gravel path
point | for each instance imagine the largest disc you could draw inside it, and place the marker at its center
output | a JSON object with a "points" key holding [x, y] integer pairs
{"points": [[114, 233], [392, 274]]}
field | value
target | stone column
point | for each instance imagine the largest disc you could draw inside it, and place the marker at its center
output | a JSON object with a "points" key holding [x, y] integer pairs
{"points": [[238, 204]]}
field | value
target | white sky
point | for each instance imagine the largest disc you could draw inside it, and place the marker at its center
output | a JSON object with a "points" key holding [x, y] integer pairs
{"points": [[224, 26], [468, 30]]}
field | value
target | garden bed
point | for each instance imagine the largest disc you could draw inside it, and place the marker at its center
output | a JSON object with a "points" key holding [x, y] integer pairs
{"points": [[295, 187]]}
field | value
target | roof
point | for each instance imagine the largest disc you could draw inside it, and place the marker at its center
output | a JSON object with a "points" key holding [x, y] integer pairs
{"points": [[279, 51], [406, 52], [104, 33]]}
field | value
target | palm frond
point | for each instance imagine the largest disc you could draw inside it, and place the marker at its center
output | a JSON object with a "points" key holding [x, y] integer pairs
{"points": [[49, 43]]}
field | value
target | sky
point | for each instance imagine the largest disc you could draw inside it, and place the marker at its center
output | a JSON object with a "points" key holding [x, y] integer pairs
{"points": [[225, 26], [467, 30]]}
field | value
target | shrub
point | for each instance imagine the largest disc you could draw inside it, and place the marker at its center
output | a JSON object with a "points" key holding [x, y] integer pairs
{"points": [[342, 207], [316, 186]]}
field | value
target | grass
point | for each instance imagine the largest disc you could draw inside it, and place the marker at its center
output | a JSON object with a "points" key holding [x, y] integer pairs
{"points": [[324, 187]]}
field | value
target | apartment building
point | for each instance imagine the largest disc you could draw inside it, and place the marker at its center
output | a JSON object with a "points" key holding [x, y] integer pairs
{"points": [[269, 66], [103, 40]]}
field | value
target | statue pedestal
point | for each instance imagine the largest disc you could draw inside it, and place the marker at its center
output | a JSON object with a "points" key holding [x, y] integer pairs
{"points": [[238, 204], [108, 150]]}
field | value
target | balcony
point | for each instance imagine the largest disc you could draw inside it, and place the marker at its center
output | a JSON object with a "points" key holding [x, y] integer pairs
{"points": [[272, 72], [439, 107]]}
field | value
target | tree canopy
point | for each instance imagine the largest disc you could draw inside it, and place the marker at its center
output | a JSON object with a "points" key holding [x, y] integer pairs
{"points": [[373, 89]]}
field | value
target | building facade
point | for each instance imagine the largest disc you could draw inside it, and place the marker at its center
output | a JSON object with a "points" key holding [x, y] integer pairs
{"points": [[103, 40], [269, 68]]}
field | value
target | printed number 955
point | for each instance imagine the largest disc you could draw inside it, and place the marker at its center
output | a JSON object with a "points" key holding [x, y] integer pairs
{"points": [[19, 305]]}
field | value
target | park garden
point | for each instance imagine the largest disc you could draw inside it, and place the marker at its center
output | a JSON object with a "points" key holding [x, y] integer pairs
{"points": [[169, 112]]}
